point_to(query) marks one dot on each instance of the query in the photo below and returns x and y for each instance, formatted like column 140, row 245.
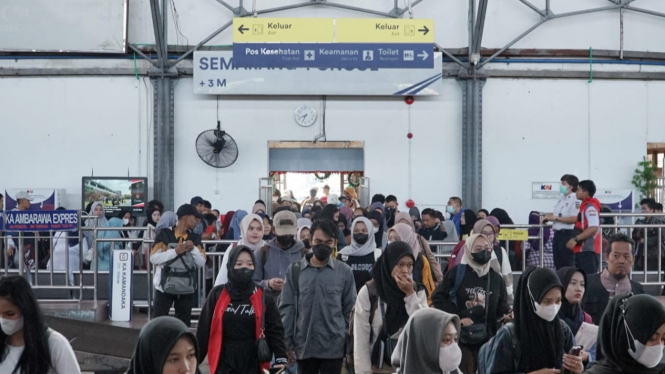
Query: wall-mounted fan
column 217, row 148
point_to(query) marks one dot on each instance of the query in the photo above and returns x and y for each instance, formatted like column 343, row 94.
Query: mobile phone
column 574, row 351
column 274, row 370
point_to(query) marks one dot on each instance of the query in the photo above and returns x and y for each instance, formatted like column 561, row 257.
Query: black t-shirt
column 361, row 266
column 239, row 353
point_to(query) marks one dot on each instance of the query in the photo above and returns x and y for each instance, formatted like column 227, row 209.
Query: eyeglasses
column 487, row 233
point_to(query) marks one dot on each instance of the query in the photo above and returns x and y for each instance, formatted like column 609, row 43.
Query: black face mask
column 361, row 238
column 285, row 240
column 306, row 243
column 482, row 257
column 322, row 252
column 243, row 275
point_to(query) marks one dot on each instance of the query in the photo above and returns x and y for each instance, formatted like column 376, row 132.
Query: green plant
column 645, row 179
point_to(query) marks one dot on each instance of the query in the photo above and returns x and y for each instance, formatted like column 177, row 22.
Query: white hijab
column 355, row 249
column 244, row 226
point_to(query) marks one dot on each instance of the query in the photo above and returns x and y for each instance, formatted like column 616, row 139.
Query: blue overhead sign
column 334, row 55
column 34, row 220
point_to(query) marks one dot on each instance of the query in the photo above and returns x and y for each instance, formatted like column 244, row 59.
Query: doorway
column 656, row 154
column 300, row 166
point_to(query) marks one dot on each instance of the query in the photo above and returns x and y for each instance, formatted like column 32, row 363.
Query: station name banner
column 216, row 74
column 30, row 220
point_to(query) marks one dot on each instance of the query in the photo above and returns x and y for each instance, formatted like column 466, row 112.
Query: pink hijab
column 347, row 212
column 407, row 235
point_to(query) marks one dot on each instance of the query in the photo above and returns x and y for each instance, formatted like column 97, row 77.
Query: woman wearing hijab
column 429, row 344
column 538, row 341
column 467, row 220
column 167, row 220
column 416, row 218
column 259, row 207
column 97, row 210
column 303, row 233
column 267, row 229
column 464, row 292
column 226, row 224
column 531, row 248
column 363, row 253
column 347, row 213
column 235, row 231
column 104, row 249
column 165, row 346
column 331, row 212
column 395, row 300
column 152, row 217
column 632, row 333
column 403, row 217
column 235, row 316
column 380, row 236
column 251, row 229
column 422, row 269
column 482, row 214
column 378, row 207
column 342, row 223
column 580, row 323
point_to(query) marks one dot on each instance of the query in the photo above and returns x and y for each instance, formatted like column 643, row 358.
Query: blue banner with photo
column 32, row 220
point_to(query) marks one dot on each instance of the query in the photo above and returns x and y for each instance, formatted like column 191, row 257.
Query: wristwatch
column 576, row 240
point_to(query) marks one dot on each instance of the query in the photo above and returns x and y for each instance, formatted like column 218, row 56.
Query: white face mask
column 125, row 221
column 548, row 313
column 650, row 357
column 11, row 326
column 450, row 357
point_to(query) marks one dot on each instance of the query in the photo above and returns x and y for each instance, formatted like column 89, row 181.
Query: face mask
column 11, row 326
column 361, row 238
column 450, row 209
column 243, row 275
column 306, row 243
column 450, row 357
column 285, row 240
column 548, row 313
column 322, row 252
column 563, row 190
column 481, row 257
column 650, row 357
column 125, row 221
column 275, row 198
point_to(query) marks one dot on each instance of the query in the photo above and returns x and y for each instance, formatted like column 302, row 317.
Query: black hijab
column 470, row 218
column 121, row 215
column 148, row 218
column 345, row 230
column 541, row 342
column 571, row 314
column 156, row 341
column 328, row 212
column 238, row 290
column 386, row 286
column 644, row 316
column 378, row 235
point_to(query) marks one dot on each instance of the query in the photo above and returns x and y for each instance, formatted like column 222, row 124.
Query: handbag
column 263, row 350
column 478, row 332
column 384, row 346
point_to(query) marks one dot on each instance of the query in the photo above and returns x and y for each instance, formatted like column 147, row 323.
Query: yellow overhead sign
column 284, row 30
column 513, row 235
column 381, row 30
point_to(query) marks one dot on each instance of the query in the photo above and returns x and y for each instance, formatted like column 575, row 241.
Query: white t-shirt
column 62, row 356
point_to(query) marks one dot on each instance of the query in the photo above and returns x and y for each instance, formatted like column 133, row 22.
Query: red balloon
column 410, row 204
column 409, row 135
column 409, row 100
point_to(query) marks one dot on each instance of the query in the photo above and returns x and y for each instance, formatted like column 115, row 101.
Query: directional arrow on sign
column 424, row 55
column 242, row 28
column 424, row 30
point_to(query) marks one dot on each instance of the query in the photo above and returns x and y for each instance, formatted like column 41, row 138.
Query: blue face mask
column 450, row 209
column 563, row 189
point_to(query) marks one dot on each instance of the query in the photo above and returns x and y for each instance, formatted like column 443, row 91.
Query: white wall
column 382, row 123
column 538, row 130
column 505, row 21
column 56, row 130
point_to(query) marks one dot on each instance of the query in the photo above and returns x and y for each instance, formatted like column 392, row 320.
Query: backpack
column 179, row 275
column 349, row 360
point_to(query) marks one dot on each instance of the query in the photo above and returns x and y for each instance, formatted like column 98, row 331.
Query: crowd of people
column 328, row 286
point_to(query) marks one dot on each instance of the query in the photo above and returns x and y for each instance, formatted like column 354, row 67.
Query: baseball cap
column 333, row 199
column 345, row 198
column 188, row 210
column 196, row 200
column 23, row 195
column 285, row 223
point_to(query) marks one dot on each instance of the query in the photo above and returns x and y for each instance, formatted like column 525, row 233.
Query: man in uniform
column 587, row 238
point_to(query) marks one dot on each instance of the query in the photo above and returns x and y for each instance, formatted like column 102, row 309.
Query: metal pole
column 646, row 234
column 527, row 32
column 204, row 41
column 660, row 254
column 19, row 248
column 472, row 13
column 81, row 254
column 542, row 246
column 533, row 7
column 547, row 7
column 165, row 30
column 621, row 37
column 143, row 55
column 96, row 260
column 157, row 29
column 36, row 263
column 150, row 285
column 66, row 260
column 52, row 260
column 479, row 26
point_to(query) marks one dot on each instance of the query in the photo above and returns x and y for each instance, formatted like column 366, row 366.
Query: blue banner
column 334, row 55
column 33, row 220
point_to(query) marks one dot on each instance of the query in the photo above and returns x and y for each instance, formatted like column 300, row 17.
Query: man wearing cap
column 177, row 250
column 201, row 226
column 272, row 260
column 23, row 200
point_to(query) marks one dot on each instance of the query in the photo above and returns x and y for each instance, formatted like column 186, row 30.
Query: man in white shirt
column 563, row 221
